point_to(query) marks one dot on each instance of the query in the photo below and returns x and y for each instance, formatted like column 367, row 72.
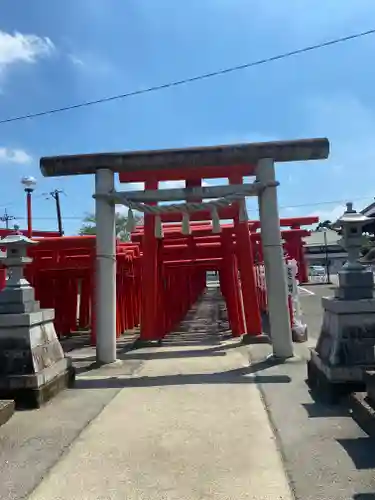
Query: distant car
column 317, row 271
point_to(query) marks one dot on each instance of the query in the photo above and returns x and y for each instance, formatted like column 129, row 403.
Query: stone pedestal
column 33, row 367
column 346, row 347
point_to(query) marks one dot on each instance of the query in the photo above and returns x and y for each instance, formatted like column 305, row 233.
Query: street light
column 29, row 184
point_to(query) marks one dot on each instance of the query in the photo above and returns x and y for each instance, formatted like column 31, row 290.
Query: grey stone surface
column 355, row 284
column 27, row 319
column 347, row 339
column 348, row 306
column 6, row 410
column 370, row 386
column 10, row 295
column 354, row 293
column 361, row 278
column 35, row 380
column 346, row 344
column 32, row 364
column 20, row 308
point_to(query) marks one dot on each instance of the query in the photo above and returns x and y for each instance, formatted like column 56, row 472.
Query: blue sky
column 54, row 54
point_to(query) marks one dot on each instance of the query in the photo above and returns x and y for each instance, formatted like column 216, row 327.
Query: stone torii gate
column 229, row 161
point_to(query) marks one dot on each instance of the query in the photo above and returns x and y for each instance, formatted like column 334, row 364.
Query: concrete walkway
column 189, row 424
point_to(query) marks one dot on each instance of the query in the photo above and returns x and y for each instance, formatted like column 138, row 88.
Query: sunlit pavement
column 326, row 454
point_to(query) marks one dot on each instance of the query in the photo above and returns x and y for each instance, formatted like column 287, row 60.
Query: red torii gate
column 293, row 244
column 214, row 252
column 233, row 162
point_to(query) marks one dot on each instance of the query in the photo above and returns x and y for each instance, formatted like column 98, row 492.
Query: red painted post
column 245, row 262
column 231, row 296
column 3, row 278
column 149, row 275
column 29, row 214
column 238, row 297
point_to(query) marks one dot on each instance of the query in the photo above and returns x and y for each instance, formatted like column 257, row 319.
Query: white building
column 323, row 248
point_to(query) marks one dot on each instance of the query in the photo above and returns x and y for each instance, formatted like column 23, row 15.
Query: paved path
column 327, row 456
column 188, row 421
column 190, row 424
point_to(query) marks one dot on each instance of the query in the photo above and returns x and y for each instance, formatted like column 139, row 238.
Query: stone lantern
column 346, row 346
column 33, row 367
column 15, row 260
column 356, row 281
column 352, row 224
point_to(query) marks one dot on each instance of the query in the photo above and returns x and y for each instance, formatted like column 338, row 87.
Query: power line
column 281, row 207
column 7, row 218
column 192, row 79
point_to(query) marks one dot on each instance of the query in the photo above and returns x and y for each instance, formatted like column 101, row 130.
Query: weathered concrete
column 326, row 454
column 6, row 410
column 31, row 443
column 189, row 425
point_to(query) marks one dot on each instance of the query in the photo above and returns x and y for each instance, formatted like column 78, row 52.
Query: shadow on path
column 361, row 451
column 245, row 375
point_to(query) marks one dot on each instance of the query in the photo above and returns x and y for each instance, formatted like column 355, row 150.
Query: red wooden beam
column 191, row 173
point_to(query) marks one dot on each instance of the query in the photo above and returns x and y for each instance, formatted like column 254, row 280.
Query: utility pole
column 56, row 196
column 326, row 256
column 6, row 218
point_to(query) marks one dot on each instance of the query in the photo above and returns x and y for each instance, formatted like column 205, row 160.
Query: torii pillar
column 274, row 263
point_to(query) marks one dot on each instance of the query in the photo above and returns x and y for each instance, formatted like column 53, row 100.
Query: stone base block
column 262, row 338
column 328, row 384
column 29, row 396
column 347, row 337
column 354, row 293
column 7, row 408
column 363, row 412
column 370, row 385
column 141, row 343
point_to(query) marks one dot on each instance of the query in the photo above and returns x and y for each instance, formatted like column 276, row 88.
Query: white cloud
column 331, row 214
column 76, row 60
column 16, row 156
column 20, row 48
column 121, row 209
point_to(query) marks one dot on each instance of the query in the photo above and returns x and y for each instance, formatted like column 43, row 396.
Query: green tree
column 327, row 224
column 89, row 226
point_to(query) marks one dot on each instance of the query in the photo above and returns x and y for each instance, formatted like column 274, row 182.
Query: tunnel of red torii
column 178, row 244
column 201, row 233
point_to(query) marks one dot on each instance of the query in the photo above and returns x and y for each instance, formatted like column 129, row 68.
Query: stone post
column 105, row 281
column 274, row 263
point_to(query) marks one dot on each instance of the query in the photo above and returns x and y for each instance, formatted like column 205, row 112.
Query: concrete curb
column 7, row 408
column 362, row 412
